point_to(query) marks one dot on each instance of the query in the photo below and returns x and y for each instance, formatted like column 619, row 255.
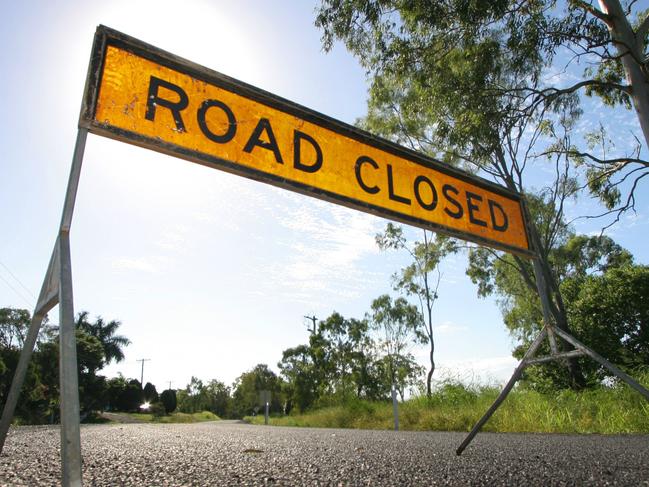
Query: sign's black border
column 106, row 36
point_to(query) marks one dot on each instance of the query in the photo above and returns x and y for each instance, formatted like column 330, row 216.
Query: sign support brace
column 550, row 331
column 57, row 289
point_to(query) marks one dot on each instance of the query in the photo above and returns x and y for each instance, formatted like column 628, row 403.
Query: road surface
column 227, row 453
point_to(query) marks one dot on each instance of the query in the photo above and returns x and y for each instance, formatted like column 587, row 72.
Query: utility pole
column 315, row 326
column 142, row 373
column 169, row 385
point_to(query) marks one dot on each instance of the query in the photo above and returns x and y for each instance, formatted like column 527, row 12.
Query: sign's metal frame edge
column 106, row 36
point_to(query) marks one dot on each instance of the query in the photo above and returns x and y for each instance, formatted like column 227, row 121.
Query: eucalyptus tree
column 466, row 83
column 350, row 353
column 513, row 45
column 397, row 326
column 420, row 278
column 580, row 262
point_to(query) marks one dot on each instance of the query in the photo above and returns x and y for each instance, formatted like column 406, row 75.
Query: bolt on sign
column 139, row 94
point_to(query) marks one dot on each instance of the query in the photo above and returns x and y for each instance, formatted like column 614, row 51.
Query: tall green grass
column 457, row 407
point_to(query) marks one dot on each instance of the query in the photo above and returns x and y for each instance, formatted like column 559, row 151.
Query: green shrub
column 168, row 399
column 157, row 409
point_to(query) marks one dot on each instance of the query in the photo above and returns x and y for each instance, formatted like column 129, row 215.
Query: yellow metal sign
column 145, row 96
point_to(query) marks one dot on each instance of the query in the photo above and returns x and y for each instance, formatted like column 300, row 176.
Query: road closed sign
column 142, row 95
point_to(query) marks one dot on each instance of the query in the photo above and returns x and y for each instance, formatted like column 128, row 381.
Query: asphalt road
column 225, row 453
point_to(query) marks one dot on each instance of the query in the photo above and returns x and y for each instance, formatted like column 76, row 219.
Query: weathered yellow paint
column 122, row 103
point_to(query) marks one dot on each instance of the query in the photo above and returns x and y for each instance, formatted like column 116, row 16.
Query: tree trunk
column 555, row 301
column 630, row 47
column 429, row 378
column 429, row 309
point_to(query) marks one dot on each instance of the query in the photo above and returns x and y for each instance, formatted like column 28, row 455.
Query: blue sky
column 209, row 273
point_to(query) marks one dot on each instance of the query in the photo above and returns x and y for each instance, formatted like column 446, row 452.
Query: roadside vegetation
column 456, row 407
column 175, row 417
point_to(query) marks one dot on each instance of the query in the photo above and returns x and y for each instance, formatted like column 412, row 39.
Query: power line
column 30, row 303
column 18, row 280
column 142, row 374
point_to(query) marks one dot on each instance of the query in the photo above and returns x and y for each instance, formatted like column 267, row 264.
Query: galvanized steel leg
column 69, row 380
column 70, row 430
column 542, row 287
column 503, row 394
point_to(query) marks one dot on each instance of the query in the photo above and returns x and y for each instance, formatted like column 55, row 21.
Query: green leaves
column 467, row 81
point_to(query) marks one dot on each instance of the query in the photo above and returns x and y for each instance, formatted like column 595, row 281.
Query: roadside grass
column 176, row 417
column 456, row 407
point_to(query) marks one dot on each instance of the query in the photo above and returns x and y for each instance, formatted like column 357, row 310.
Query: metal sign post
column 264, row 401
column 395, row 407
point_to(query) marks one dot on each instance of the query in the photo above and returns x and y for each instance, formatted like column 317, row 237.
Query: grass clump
column 454, row 406
column 176, row 417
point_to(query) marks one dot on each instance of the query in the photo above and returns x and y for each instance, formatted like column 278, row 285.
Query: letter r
column 175, row 107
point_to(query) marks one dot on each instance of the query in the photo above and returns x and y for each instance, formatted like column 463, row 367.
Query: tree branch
column 595, row 12
column 642, row 31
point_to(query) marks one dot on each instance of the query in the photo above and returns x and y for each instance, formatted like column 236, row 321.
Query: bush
column 157, row 409
column 168, row 399
column 150, row 393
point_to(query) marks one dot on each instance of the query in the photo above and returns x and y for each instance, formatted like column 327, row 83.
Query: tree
column 133, row 396
column 106, row 334
column 150, row 393
column 14, row 324
column 303, row 377
column 90, row 355
column 502, row 51
column 247, row 388
column 115, row 387
column 339, row 361
column 192, row 398
column 168, row 399
column 611, row 311
column 125, row 394
column 218, row 397
column 349, row 354
column 574, row 258
column 446, row 80
column 39, row 401
column 398, row 326
column 416, row 279
column 13, row 328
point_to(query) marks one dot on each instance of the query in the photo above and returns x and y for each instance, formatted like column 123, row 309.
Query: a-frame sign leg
column 506, row 390
column 601, row 360
column 57, row 289
column 69, row 379
column 47, row 299
column 551, row 332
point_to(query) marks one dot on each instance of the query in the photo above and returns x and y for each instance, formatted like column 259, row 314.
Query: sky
column 209, row 273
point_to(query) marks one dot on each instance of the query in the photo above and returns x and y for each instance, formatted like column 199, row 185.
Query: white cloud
column 173, row 239
column 152, row 264
column 327, row 250
column 448, row 327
